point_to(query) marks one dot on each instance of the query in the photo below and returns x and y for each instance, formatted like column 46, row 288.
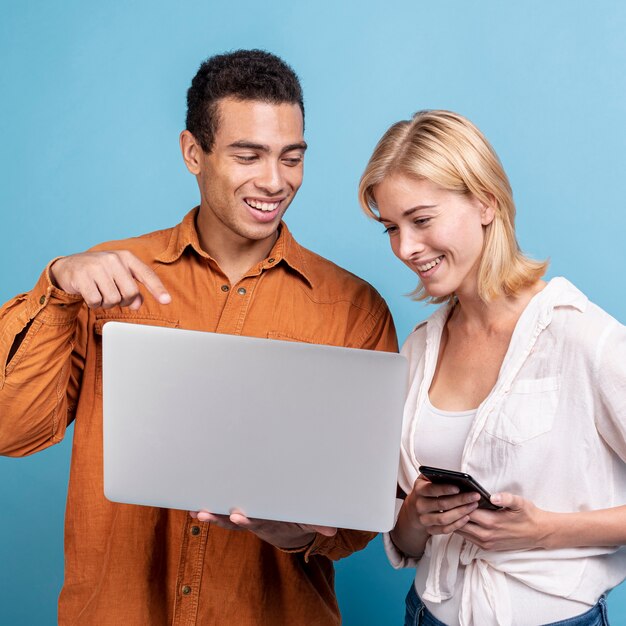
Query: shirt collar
column 182, row 236
column 285, row 249
column 559, row 292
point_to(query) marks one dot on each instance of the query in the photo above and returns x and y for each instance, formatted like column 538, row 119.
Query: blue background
column 93, row 99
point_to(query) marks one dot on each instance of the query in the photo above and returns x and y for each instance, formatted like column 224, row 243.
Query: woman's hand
column 439, row 509
column 518, row 526
column 431, row 510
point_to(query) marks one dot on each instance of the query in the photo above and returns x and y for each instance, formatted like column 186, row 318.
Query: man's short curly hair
column 243, row 75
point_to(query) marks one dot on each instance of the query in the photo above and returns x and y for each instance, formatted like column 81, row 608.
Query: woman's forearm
column 521, row 525
column 410, row 540
column 604, row 527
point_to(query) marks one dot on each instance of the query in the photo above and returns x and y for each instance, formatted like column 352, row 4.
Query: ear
column 488, row 210
column 192, row 152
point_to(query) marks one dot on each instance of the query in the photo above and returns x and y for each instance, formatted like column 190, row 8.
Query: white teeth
column 263, row 206
column 428, row 266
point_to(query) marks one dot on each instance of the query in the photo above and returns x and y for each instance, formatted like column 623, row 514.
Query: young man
column 231, row 266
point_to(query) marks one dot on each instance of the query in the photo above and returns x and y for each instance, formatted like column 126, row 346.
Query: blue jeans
column 418, row 615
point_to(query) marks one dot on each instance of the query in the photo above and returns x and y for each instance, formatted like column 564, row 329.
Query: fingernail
column 165, row 298
column 203, row 517
column 496, row 498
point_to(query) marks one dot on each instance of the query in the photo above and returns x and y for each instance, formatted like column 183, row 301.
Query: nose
column 270, row 178
column 409, row 244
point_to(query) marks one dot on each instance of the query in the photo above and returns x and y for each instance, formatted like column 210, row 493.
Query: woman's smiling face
column 438, row 233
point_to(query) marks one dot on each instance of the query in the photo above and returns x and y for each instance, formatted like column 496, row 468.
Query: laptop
column 273, row 429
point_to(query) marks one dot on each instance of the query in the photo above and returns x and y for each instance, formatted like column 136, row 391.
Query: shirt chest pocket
column 527, row 410
column 97, row 328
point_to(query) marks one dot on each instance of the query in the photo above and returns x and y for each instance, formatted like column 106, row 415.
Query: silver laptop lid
column 275, row 429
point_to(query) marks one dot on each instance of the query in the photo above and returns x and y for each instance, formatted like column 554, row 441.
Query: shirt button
column 241, row 291
column 186, row 590
column 225, row 287
column 42, row 299
column 270, row 260
column 195, row 530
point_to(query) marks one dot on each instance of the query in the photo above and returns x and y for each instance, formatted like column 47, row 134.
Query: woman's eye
column 390, row 230
column 422, row 221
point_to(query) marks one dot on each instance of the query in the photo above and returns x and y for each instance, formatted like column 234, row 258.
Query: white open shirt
column 553, row 430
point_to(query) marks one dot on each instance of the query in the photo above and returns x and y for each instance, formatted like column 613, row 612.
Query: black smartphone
column 463, row 481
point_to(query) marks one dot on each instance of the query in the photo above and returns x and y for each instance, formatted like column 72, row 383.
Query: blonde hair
column 448, row 150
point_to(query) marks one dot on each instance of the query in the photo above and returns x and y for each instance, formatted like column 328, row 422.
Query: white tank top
column 440, row 436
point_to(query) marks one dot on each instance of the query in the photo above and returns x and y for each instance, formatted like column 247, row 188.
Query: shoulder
column 146, row 247
column 415, row 344
column 584, row 326
column 573, row 306
column 331, row 283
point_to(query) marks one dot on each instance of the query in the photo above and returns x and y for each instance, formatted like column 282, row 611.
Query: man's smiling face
column 253, row 171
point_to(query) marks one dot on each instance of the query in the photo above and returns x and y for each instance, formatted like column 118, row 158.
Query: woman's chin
column 434, row 291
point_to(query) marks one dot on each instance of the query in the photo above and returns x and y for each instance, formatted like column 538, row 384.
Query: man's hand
column 285, row 535
column 107, row 279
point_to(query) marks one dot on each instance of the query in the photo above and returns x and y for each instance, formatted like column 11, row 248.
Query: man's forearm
column 340, row 545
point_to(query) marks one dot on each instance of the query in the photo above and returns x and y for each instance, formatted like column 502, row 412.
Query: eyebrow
column 250, row 145
column 412, row 210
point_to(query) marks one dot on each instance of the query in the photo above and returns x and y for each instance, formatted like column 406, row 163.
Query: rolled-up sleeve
column 398, row 559
column 39, row 380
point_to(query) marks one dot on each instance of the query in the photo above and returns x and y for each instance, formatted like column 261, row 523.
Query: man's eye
column 246, row 158
column 292, row 161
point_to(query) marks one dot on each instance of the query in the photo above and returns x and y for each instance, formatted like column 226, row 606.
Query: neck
column 499, row 314
column 235, row 254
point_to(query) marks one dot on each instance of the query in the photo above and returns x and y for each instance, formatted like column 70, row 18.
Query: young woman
column 518, row 382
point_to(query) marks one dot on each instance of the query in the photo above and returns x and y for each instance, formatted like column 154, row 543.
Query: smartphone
column 463, row 481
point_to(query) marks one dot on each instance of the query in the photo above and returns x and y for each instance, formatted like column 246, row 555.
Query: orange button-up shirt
column 135, row 565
